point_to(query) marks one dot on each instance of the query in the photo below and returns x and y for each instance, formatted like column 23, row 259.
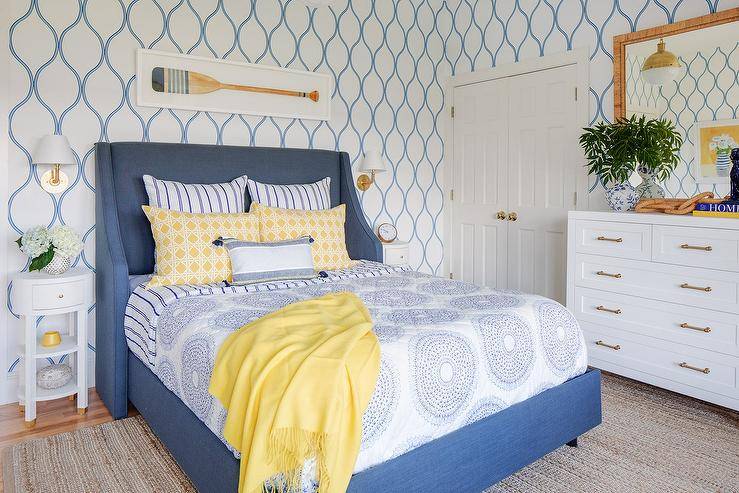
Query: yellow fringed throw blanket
column 296, row 383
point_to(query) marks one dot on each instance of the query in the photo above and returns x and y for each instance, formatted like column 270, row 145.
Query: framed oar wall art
column 172, row 80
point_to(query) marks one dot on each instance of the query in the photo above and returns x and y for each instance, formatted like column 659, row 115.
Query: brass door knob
column 512, row 216
column 501, row 215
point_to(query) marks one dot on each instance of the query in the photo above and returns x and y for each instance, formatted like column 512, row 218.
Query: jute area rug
column 651, row 440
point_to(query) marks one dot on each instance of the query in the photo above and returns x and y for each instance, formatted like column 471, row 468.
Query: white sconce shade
column 372, row 162
column 54, row 150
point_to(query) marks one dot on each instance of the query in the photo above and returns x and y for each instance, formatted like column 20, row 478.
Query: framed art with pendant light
column 682, row 72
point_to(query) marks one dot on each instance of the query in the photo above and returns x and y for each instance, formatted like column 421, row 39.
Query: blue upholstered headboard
column 124, row 244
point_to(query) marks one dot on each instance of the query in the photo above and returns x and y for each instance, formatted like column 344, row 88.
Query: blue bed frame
column 469, row 459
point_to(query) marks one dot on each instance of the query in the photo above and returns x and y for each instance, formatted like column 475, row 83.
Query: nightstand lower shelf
column 70, row 388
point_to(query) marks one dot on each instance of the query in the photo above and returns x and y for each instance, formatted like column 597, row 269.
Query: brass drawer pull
column 685, row 285
column 693, row 327
column 602, row 308
column 685, row 246
column 615, row 240
column 695, row 368
column 604, row 344
column 602, row 273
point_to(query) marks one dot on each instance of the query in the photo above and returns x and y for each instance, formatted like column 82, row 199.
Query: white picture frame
column 705, row 163
column 233, row 101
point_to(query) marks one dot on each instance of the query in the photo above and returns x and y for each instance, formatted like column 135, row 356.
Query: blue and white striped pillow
column 308, row 196
column 198, row 198
column 253, row 262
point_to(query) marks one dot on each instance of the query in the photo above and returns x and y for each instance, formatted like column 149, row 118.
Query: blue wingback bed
column 468, row 459
column 124, row 244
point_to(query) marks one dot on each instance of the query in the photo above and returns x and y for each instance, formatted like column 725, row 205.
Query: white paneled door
column 514, row 179
column 480, row 183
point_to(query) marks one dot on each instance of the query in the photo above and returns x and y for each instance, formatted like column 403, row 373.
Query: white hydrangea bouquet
column 50, row 250
column 722, row 144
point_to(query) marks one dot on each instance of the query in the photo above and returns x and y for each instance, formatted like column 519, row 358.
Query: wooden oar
column 177, row 81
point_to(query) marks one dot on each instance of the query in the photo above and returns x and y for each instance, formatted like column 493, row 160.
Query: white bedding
column 452, row 353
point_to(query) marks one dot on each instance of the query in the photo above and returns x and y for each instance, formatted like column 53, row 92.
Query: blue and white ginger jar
column 648, row 188
column 622, row 197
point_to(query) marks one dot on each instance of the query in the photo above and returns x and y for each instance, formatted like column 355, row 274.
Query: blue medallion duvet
column 452, row 352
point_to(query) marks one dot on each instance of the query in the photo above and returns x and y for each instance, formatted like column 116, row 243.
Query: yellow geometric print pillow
column 325, row 226
column 184, row 244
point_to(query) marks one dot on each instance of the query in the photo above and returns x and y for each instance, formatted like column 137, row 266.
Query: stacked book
column 727, row 208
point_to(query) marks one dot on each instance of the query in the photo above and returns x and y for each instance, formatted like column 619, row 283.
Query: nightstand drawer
column 60, row 295
column 396, row 256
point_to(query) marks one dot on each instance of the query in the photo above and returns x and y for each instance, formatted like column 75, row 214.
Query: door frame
column 578, row 57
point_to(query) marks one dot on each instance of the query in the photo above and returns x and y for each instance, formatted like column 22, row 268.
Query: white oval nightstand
column 395, row 253
column 37, row 294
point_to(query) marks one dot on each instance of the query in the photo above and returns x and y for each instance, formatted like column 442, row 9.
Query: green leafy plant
column 614, row 150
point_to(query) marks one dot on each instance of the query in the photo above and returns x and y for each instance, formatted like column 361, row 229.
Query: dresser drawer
column 60, row 295
column 614, row 239
column 699, row 247
column 702, row 288
column 701, row 370
column 690, row 326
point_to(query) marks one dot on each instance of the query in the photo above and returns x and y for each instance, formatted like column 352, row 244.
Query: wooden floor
column 52, row 417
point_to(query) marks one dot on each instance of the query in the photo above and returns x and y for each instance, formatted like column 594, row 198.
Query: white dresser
column 657, row 297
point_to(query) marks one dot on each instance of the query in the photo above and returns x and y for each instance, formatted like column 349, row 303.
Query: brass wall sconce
column 371, row 163
column 54, row 150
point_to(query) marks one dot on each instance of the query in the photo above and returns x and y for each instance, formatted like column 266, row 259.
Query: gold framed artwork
column 174, row 80
column 714, row 141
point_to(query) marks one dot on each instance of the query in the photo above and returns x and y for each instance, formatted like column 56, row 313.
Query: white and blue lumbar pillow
column 253, row 262
column 198, row 198
column 306, row 196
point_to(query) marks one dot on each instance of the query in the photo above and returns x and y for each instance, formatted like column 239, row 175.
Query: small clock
column 387, row 233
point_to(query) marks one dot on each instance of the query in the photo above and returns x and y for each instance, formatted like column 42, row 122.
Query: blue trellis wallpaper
column 72, row 71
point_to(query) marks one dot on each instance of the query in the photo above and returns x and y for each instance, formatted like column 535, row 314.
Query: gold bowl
column 51, row 338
